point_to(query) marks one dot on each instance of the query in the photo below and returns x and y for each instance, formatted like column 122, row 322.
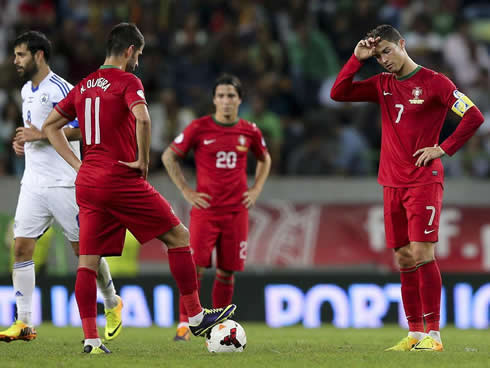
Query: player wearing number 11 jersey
column 111, row 187
column 219, row 216
column 414, row 102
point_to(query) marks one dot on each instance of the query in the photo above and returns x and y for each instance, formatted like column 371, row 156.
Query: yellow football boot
column 405, row 344
column 113, row 325
column 428, row 343
column 18, row 331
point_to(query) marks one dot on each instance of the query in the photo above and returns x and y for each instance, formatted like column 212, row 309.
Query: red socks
column 412, row 304
column 183, row 317
column 222, row 290
column 184, row 272
column 86, row 295
column 430, row 286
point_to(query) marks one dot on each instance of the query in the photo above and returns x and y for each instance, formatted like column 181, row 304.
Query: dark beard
column 29, row 71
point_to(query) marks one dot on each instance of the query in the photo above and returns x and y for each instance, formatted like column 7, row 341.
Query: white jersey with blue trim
column 43, row 165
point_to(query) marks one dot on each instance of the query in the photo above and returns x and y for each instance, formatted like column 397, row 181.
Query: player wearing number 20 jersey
column 414, row 102
column 220, row 202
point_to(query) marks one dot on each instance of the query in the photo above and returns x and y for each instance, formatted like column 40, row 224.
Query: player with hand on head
column 111, row 187
column 220, row 203
column 47, row 190
column 414, row 102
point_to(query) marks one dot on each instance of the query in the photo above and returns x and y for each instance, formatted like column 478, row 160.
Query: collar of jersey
column 108, row 67
column 225, row 125
column 410, row 74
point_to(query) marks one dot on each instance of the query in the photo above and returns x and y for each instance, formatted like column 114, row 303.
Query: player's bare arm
column 171, row 162
column 366, row 48
column 427, row 154
column 53, row 129
column 143, row 138
column 261, row 173
column 32, row 134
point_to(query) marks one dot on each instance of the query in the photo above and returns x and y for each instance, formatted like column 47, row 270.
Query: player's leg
column 203, row 236
column 396, row 232
column 32, row 219
column 63, row 206
column 24, row 279
column 112, row 302
column 231, row 255
column 423, row 208
column 184, row 272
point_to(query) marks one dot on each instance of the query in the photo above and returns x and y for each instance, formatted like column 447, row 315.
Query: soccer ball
column 226, row 337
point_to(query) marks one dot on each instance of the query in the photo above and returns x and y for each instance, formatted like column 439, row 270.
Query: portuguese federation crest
column 416, row 93
column 242, row 141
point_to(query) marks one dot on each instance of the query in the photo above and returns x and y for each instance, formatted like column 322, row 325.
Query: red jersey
column 413, row 110
column 220, row 154
column 102, row 102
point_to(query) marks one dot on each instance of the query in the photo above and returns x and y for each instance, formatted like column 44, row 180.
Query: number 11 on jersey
column 88, row 120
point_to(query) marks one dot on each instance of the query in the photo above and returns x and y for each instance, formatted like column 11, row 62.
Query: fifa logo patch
column 416, row 92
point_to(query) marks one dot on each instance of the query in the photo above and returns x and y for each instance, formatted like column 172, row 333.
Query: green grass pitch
column 266, row 347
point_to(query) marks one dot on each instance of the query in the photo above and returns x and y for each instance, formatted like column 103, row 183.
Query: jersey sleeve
column 345, row 89
column 462, row 106
column 66, row 106
column 134, row 92
column 184, row 142
column 258, row 145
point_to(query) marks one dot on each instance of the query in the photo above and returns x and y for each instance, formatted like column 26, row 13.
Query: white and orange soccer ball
column 226, row 337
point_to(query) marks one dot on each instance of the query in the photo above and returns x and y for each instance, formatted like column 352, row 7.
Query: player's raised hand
column 197, row 199
column 18, row 147
column 28, row 134
column 427, row 154
column 366, row 48
column 138, row 165
column 250, row 197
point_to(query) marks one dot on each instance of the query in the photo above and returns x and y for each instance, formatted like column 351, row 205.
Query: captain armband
column 462, row 104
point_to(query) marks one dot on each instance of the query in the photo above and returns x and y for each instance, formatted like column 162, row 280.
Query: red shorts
column 227, row 232
column 412, row 214
column 105, row 214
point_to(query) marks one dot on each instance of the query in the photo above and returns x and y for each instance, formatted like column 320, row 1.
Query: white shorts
column 38, row 207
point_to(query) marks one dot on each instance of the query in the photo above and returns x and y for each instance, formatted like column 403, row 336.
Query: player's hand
column 428, row 154
column 28, row 134
column 250, row 197
column 138, row 165
column 365, row 48
column 197, row 199
column 18, row 147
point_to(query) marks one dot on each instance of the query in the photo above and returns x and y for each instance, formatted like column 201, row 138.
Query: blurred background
column 320, row 218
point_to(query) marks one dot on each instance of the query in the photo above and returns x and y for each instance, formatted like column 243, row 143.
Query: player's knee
column 404, row 257
column 224, row 273
column 23, row 250
column 176, row 237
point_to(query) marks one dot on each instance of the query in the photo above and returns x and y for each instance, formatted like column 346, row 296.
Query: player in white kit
column 47, row 190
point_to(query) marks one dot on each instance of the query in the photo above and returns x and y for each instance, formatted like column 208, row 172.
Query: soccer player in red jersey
column 220, row 203
column 111, row 187
column 414, row 102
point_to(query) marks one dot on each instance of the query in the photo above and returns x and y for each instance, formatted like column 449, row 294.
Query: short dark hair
column 228, row 79
column 121, row 37
column 385, row 32
column 35, row 41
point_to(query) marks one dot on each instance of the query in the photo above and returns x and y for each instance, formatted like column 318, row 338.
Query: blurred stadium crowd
column 287, row 54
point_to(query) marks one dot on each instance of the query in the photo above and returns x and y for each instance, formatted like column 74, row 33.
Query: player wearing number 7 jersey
column 414, row 102
column 219, row 215
column 111, row 187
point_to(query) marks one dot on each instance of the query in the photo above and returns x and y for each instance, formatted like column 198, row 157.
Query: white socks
column 417, row 335
column 94, row 342
column 24, row 279
column 436, row 335
column 106, row 286
column 195, row 320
